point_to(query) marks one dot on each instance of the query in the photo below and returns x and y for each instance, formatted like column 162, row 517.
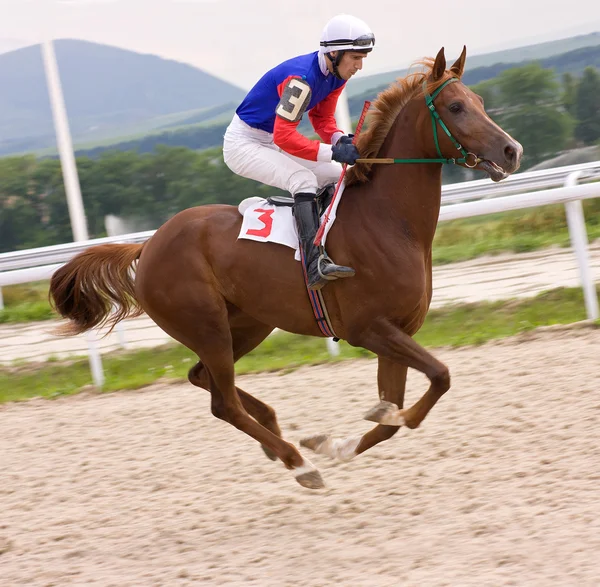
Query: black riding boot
column 307, row 222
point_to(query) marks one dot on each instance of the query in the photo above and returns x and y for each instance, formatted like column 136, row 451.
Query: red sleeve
column 287, row 137
column 322, row 116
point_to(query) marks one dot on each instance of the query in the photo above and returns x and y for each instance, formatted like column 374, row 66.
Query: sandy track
column 500, row 486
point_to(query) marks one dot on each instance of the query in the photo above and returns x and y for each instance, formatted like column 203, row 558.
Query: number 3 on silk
column 294, row 100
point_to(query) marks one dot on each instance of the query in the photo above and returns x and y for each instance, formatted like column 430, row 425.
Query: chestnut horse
column 221, row 297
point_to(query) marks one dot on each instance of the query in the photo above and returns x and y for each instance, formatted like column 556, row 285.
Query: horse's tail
column 96, row 288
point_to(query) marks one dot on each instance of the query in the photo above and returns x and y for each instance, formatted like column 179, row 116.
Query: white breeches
column 251, row 153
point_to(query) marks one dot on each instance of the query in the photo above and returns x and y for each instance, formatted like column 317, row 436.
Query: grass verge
column 461, row 325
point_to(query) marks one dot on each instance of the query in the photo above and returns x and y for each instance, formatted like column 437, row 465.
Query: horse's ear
column 459, row 65
column 439, row 67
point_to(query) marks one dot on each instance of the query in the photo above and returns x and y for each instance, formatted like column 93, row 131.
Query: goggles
column 362, row 41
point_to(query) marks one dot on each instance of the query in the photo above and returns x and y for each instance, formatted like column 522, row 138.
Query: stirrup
column 324, row 257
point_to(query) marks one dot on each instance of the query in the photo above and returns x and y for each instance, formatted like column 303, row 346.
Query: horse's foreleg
column 391, row 381
column 388, row 341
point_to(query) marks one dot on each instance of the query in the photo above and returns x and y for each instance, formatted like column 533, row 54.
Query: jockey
column 263, row 143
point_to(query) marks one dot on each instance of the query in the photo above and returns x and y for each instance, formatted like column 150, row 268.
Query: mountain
column 108, row 92
column 12, row 44
column 118, row 99
column 573, row 62
column 509, row 56
column 205, row 129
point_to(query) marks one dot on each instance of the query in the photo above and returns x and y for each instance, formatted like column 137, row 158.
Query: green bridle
column 435, row 120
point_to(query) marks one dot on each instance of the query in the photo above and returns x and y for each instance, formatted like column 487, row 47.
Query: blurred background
column 150, row 86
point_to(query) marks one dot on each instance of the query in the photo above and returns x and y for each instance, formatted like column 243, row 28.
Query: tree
column 587, row 107
column 533, row 112
column 24, row 185
column 488, row 90
column 569, row 96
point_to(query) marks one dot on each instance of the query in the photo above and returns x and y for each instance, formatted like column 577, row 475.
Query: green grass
column 27, row 312
column 509, row 232
column 462, row 325
column 26, row 303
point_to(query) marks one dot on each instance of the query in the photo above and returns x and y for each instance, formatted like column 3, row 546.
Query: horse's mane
column 384, row 111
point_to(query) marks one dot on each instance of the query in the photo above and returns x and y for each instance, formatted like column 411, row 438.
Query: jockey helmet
column 347, row 33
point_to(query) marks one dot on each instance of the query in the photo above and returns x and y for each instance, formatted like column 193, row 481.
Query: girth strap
column 319, row 307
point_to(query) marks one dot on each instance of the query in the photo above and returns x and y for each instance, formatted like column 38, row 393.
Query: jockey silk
column 258, row 110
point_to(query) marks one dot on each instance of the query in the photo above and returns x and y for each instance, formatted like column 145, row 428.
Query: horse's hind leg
column 202, row 324
column 261, row 412
column 245, row 338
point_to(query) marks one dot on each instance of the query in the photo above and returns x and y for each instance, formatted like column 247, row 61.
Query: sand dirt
column 500, row 485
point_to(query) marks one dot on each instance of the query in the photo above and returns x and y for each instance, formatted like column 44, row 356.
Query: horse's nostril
column 510, row 153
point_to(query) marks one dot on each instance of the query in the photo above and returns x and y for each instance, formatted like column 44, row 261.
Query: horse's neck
column 408, row 193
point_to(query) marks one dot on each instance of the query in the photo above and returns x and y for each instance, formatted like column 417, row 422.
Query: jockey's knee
column 303, row 181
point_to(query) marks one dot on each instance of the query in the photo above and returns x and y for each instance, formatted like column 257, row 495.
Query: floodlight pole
column 342, row 113
column 65, row 146
column 71, row 181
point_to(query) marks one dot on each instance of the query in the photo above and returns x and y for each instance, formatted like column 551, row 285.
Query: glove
column 344, row 152
column 346, row 139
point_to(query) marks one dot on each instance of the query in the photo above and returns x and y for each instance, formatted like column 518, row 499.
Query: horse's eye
column 456, row 107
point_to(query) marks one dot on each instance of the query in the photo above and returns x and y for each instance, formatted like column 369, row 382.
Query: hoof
column 314, row 442
column 311, row 480
column 269, row 453
column 386, row 413
column 308, row 475
column 323, row 444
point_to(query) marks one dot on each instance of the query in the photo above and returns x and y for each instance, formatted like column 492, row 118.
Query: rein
column 435, row 120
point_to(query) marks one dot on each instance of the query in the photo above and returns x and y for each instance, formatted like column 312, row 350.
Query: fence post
column 333, row 347
column 579, row 242
column 120, row 328
column 95, row 360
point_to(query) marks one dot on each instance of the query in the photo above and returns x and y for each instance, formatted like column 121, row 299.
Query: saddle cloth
column 267, row 223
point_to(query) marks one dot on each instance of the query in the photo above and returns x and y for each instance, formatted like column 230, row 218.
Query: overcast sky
column 238, row 40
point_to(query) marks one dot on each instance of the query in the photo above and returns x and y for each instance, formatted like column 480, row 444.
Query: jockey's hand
column 343, row 152
column 346, row 139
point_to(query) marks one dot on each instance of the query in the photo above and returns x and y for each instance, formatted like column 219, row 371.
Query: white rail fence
column 567, row 185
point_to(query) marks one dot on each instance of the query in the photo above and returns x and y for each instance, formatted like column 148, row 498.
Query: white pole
column 95, row 360
column 65, row 147
column 70, row 178
column 333, row 347
column 579, row 241
column 121, row 334
column 342, row 113
column 1, row 300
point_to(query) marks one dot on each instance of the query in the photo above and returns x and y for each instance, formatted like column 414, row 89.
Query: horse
column 221, row 296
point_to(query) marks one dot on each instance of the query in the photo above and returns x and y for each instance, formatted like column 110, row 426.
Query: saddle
column 324, row 197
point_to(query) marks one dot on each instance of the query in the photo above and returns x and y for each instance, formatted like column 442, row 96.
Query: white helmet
column 347, row 33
